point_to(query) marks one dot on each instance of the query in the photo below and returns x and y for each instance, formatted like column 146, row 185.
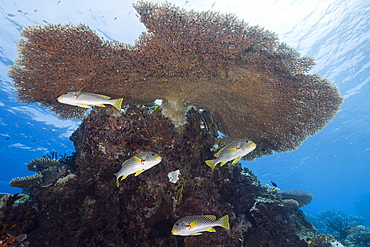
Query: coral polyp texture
column 255, row 86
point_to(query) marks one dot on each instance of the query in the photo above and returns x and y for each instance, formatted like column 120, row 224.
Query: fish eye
column 177, row 224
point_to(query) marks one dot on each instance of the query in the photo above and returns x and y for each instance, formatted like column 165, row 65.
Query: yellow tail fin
column 210, row 164
column 225, row 222
column 118, row 103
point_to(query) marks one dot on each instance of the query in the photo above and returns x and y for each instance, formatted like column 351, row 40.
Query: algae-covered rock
column 88, row 209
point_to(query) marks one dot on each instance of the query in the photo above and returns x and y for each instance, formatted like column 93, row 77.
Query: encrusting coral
column 255, row 86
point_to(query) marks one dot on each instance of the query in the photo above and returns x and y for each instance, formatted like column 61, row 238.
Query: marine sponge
column 256, row 87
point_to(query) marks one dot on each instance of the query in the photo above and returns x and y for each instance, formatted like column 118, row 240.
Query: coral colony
column 251, row 86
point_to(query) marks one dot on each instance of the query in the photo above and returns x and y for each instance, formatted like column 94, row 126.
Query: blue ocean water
column 334, row 164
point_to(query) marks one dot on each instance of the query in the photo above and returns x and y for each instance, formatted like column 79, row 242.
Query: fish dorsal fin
column 193, row 224
column 219, row 152
column 212, row 217
column 233, row 149
column 103, row 96
column 138, row 160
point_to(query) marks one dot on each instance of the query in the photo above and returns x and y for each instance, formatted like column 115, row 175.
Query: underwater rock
column 88, row 209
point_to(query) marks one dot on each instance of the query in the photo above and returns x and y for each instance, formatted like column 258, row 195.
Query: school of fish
column 189, row 225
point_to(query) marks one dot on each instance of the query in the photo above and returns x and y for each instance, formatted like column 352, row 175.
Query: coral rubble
column 255, row 86
column 88, row 209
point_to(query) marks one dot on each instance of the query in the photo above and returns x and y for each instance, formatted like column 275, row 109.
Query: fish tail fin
column 224, row 221
column 120, row 178
column 117, row 103
column 211, row 164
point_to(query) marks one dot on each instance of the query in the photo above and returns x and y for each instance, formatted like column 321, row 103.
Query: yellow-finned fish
column 234, row 151
column 85, row 100
column 194, row 225
column 138, row 164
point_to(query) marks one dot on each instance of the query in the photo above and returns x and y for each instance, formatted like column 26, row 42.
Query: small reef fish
column 234, row 151
column 85, row 100
column 137, row 164
column 274, row 184
column 209, row 123
column 194, row 225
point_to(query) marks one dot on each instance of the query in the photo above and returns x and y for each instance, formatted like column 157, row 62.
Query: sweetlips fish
column 137, row 164
column 234, row 151
column 194, row 225
column 85, row 100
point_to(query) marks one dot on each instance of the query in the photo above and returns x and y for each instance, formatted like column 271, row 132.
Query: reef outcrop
column 88, row 209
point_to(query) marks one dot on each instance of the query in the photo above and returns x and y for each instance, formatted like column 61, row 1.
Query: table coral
column 255, row 86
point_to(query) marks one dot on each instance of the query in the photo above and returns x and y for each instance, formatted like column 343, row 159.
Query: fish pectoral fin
column 100, row 105
column 138, row 160
column 197, row 233
column 236, row 160
column 223, row 163
column 139, row 172
column 211, row 230
column 233, row 149
column 193, row 224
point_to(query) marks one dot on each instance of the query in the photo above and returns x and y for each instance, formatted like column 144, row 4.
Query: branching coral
column 340, row 227
column 256, row 87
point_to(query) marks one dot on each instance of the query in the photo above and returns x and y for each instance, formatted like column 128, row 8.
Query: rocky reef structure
column 256, row 86
column 90, row 210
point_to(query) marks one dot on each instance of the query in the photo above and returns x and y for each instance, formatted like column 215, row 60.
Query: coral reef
column 90, row 210
column 349, row 230
column 363, row 207
column 255, row 86
column 14, row 221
